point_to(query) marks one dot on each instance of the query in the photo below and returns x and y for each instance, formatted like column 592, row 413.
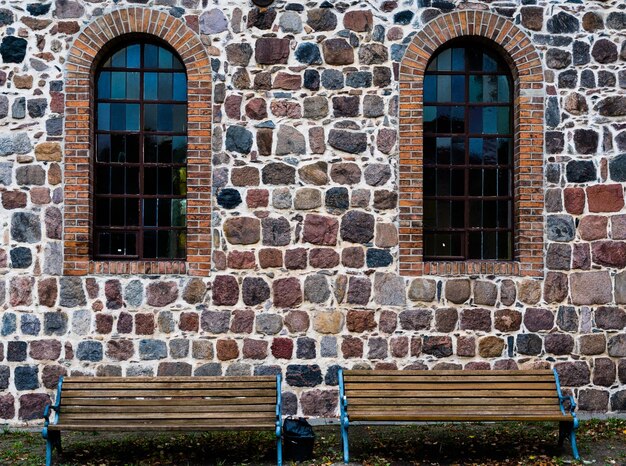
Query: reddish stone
column 270, row 257
column 232, row 106
column 189, row 321
column 359, row 290
column 320, row 403
column 358, row 20
column 296, row 259
column 50, row 376
column 388, row 321
column 507, row 320
column 605, row 198
column 555, row 287
column 13, row 199
column 360, row 321
column 297, row 321
column 477, row 366
column 283, row 108
column 257, row 198
column 241, row 260
column 609, row 253
column 581, row 256
column 125, row 323
column 104, row 323
column 47, row 291
column 323, row 258
column 287, row 81
column 113, row 293
column 438, row 346
column 271, row 50
column 68, row 27
column 399, row 347
column 574, row 200
column 20, row 291
column 319, row 229
column 416, row 346
column 476, row 319
column 505, row 365
column 45, row 349
column 120, row 350
column 254, row 349
column 352, row 347
column 592, row 227
column 160, row 294
column 591, row 288
column 256, row 109
column 536, row 319
column 57, row 102
column 219, row 260
column 32, row 406
column 93, row 289
column 144, row 324
column 337, row 52
column 353, row 257
column 466, row 346
column 317, row 140
column 287, row 292
column 225, row 290
column 243, row 321
column 282, row 348
column 40, row 195
column 618, row 227
column 227, row 350
column 245, row 176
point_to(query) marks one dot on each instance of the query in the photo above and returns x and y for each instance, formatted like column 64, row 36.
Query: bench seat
column 164, row 404
column 454, row 396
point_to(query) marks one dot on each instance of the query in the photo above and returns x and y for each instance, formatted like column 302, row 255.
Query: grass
column 600, row 442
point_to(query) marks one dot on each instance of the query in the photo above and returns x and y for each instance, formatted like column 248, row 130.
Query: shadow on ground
column 601, row 442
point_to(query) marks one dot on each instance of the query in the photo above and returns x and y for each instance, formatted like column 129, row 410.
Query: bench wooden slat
column 447, row 393
column 164, row 393
column 157, row 428
column 167, row 416
column 161, row 379
column 375, row 401
column 452, row 417
column 191, row 408
column 457, row 373
column 448, row 378
column 78, row 401
column 452, row 386
column 69, row 386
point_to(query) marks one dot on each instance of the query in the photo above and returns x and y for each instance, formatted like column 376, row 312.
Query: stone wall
column 305, row 254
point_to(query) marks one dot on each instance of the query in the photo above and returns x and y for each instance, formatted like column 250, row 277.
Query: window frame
column 98, row 37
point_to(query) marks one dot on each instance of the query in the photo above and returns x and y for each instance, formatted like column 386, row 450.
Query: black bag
column 298, row 438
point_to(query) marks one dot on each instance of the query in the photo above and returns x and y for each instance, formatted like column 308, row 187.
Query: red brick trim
column 83, row 57
column 527, row 72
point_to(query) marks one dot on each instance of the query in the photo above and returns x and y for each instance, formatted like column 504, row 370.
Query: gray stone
column 26, row 377
column 152, row 349
column 25, row 227
column 53, row 258
column 422, row 289
column 328, row 347
column 89, row 350
column 72, row 293
column 213, row 21
column 485, row 293
column 316, row 289
column 373, row 106
column 591, row 288
column 18, row 109
column 347, row 141
column 290, row 141
column 238, row 139
column 215, row 321
column 458, row 290
column 133, row 294
column 389, row 289
column 55, row 323
column 6, row 173
column 315, row 107
column 81, row 322
column 30, row 324
column 269, row 324
column 290, row 22
column 617, row 346
column 30, row 175
column 560, row 228
column 66, row 9
column 529, row 344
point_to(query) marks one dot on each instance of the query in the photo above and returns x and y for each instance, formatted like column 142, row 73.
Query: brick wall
column 301, row 159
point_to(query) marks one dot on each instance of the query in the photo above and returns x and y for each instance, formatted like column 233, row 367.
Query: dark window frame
column 140, row 229
column 466, row 166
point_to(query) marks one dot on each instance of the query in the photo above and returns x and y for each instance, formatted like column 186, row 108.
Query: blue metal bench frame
column 565, row 428
column 53, row 438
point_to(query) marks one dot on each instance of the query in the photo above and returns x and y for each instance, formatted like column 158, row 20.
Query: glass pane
column 118, row 85
column 443, row 182
column 443, row 214
column 104, row 240
column 177, row 64
column 165, row 149
column 490, row 88
column 151, row 56
column 132, row 117
column 490, row 182
column 117, row 180
column 458, row 182
column 103, row 177
column 132, row 180
column 164, row 117
column 150, row 212
column 132, row 148
column 102, row 212
column 165, row 86
column 444, row 88
column 150, row 180
column 474, row 57
column 104, row 85
column 475, row 151
column 489, row 63
column 505, row 151
column 118, row 148
column 490, row 214
column 165, row 180
column 430, row 150
column 490, row 151
column 490, row 120
column 504, row 125
column 430, row 214
column 429, row 181
column 149, row 244
column 429, row 244
column 180, row 118
column 179, row 147
column 458, row 88
column 132, row 212
column 430, row 88
column 476, row 120
column 103, row 151
column 118, row 60
column 150, row 86
column 430, row 114
column 458, row 59
column 505, row 250
column 432, row 65
column 131, row 244
column 475, row 213
column 443, row 150
column 458, row 120
column 443, row 119
column 164, row 212
column 458, row 214
column 165, row 58
column 504, row 93
column 475, row 250
column 150, row 151
column 475, row 88
column 475, row 182
column 118, row 117
column 180, row 181
column 180, row 86
column 150, row 117
column 117, row 212
column 179, row 212
column 132, row 85
column 458, row 151
column 503, row 182
column 489, row 244
column 104, row 117
column 504, row 217
column 132, row 56
column 444, row 60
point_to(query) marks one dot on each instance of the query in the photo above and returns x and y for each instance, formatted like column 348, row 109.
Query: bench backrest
column 236, row 402
column 454, row 394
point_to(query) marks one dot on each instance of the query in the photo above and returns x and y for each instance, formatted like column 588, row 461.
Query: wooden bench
column 163, row 404
column 440, row 396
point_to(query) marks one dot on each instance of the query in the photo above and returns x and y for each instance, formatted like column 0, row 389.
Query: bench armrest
column 279, row 405
column 54, row 407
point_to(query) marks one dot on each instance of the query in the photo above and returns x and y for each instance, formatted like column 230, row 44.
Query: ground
column 600, row 443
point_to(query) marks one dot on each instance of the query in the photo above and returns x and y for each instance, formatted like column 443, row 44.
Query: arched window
column 140, row 163
column 468, row 155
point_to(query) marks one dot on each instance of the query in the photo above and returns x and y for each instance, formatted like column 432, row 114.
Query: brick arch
column 91, row 43
column 526, row 67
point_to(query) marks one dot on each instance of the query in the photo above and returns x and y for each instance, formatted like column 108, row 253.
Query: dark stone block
column 16, row 351
column 378, row 258
column 21, row 258
column 529, row 344
column 300, row 375
column 580, row 171
column 89, row 350
column 26, row 377
column 13, row 49
column 228, row 198
column 403, row 17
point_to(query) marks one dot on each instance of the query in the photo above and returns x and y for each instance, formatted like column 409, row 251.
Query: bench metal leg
column 572, row 435
column 279, row 450
column 344, row 442
column 563, row 432
column 568, row 429
column 48, row 451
